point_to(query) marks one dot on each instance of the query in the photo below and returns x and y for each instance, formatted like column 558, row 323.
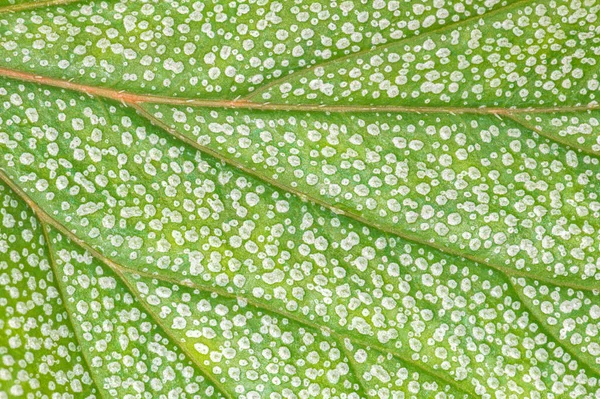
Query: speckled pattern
column 383, row 200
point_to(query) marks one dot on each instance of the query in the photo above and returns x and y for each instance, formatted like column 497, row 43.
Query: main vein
column 133, row 98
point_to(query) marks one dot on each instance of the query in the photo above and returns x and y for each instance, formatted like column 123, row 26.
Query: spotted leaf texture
column 263, row 199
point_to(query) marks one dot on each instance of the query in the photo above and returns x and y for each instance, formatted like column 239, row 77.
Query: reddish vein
column 132, row 98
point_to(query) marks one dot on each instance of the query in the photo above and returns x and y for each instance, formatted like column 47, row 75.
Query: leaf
column 275, row 200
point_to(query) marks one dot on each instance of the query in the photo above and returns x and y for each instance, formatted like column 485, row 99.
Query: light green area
column 16, row 3
column 39, row 353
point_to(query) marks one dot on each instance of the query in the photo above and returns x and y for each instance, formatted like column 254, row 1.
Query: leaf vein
column 52, row 261
column 119, row 271
column 555, row 138
column 34, row 5
column 129, row 98
column 547, row 330
column 352, row 366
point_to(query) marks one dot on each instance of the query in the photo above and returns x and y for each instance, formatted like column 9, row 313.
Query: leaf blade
column 155, row 144
column 249, row 217
column 378, row 78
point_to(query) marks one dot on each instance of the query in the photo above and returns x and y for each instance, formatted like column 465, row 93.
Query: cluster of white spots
column 535, row 53
column 386, row 376
column 180, row 214
column 580, row 130
column 128, row 354
column 220, row 49
column 572, row 315
column 39, row 355
column 254, row 353
column 474, row 183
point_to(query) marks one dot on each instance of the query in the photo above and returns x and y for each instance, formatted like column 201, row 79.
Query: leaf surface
column 267, row 200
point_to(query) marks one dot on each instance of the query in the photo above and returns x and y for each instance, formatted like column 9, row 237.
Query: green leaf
column 275, row 200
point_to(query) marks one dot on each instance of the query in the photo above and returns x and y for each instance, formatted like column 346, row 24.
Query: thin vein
column 63, row 298
column 120, row 272
column 382, row 47
column 34, row 5
column 352, row 366
column 118, row 268
column 554, row 137
column 571, row 350
column 133, row 98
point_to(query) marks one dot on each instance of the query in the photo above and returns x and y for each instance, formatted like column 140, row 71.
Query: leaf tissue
column 261, row 199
